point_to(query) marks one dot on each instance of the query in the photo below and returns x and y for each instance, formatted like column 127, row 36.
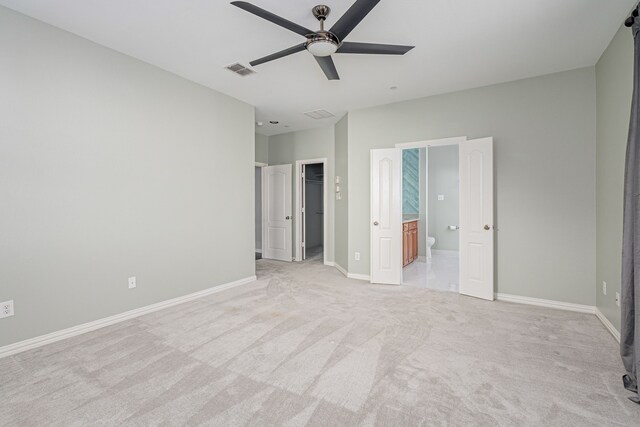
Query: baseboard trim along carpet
column 359, row 276
column 561, row 305
column 608, row 325
column 73, row 331
column 344, row 271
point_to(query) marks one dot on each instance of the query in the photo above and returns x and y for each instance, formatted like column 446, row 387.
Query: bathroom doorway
column 430, row 217
column 476, row 210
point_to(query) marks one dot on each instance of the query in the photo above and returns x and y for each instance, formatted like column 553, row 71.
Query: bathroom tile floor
column 441, row 272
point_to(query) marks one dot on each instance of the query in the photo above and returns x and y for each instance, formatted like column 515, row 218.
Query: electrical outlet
column 618, row 299
column 132, row 282
column 604, row 287
column 440, row 197
column 6, row 309
column 357, row 256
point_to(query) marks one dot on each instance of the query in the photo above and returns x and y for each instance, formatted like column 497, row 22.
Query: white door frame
column 260, row 165
column 298, row 211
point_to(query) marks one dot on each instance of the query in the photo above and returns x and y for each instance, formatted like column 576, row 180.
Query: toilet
column 430, row 242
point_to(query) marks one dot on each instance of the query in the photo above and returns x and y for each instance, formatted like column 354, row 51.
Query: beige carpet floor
column 304, row 346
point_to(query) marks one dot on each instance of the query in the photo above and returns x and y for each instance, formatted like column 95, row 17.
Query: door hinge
column 303, row 244
column 302, row 210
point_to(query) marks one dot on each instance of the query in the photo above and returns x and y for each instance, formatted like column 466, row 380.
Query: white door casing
column 276, row 213
column 476, row 218
column 386, row 216
column 303, row 211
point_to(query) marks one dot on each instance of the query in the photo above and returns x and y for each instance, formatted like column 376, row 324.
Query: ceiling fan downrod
column 321, row 12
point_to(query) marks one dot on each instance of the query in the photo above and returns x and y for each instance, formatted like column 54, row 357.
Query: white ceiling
column 460, row 44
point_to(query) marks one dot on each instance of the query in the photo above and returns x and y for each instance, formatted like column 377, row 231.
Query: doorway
column 475, row 229
column 430, row 217
column 311, row 205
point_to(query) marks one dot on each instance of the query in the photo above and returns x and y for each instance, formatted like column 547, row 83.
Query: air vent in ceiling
column 319, row 114
column 239, row 69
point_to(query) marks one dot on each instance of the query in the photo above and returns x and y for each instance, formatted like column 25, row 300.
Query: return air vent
column 319, row 114
column 239, row 69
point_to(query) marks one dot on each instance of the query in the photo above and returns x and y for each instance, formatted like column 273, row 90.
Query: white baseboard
column 344, row 271
column 608, row 325
column 560, row 305
column 359, row 276
column 73, row 331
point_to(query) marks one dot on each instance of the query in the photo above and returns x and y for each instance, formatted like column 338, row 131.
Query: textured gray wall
column 262, row 148
column 444, row 179
column 110, row 168
column 342, row 205
column 614, row 82
column 544, row 130
column 258, row 207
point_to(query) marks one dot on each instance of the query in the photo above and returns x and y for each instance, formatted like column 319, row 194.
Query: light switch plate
column 132, row 282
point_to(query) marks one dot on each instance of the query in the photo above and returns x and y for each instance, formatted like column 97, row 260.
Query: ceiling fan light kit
column 322, row 44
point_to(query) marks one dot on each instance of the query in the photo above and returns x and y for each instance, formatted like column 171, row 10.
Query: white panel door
column 276, row 213
column 476, row 218
column 386, row 216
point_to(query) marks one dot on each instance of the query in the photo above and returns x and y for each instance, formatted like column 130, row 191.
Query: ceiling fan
column 322, row 44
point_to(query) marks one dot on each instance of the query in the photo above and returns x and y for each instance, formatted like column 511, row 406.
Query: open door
column 276, row 212
column 386, row 216
column 476, row 218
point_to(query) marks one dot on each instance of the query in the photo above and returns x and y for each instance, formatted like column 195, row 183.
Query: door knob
column 288, row 217
column 487, row 227
column 375, row 222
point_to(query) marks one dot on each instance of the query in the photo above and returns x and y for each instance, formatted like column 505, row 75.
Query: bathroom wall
column 424, row 202
column 443, row 181
column 411, row 182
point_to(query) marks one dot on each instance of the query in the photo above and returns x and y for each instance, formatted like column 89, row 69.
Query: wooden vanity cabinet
column 409, row 242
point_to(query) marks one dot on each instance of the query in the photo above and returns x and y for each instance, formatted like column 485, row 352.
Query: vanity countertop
column 410, row 218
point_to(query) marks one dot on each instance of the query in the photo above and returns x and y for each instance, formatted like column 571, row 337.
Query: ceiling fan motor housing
column 321, row 12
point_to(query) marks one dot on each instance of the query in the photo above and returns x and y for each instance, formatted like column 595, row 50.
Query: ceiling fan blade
column 373, row 48
column 329, row 68
column 277, row 55
column 352, row 17
column 271, row 17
